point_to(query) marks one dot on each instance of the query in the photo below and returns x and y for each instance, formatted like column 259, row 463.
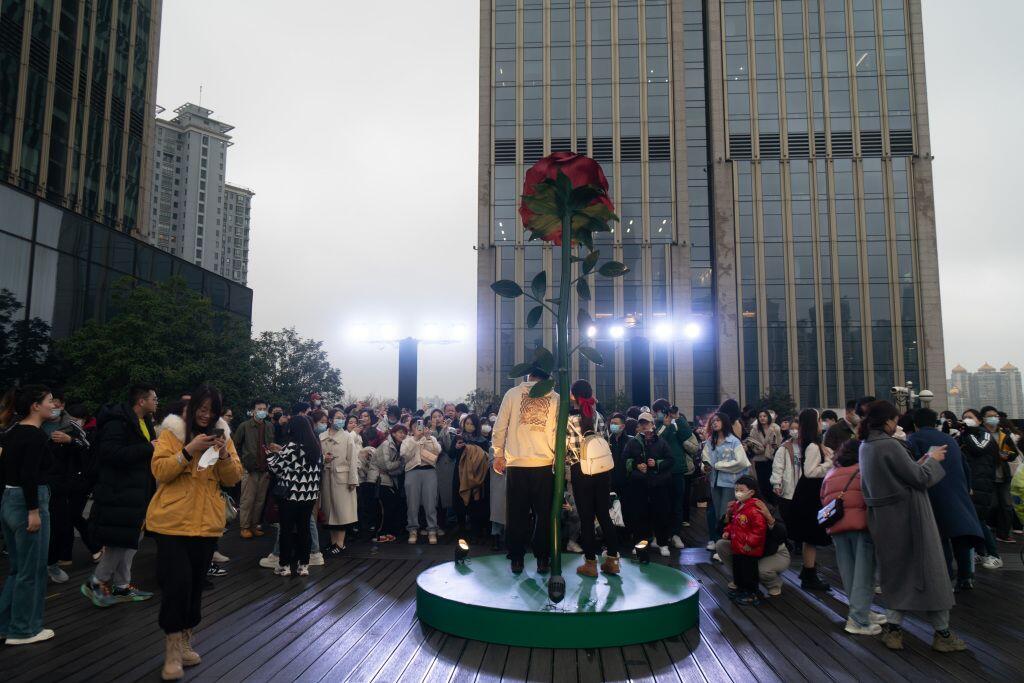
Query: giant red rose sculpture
column 565, row 201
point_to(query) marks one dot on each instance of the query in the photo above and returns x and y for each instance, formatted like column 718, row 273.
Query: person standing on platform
column 254, row 440
column 907, row 544
column 746, row 529
column 959, row 527
column 669, row 432
column 124, row 486
column 25, row 516
column 419, row 454
column 524, row 450
column 70, row 483
column 649, row 462
column 843, row 429
column 764, row 439
column 192, row 459
column 340, row 483
column 297, row 468
column 383, row 470
column 802, row 513
column 725, row 460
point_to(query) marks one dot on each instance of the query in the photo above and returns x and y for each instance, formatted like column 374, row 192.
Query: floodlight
column 617, row 331
column 592, row 331
column 662, row 331
column 691, row 330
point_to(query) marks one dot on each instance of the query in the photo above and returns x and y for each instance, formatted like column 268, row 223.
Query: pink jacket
column 855, row 512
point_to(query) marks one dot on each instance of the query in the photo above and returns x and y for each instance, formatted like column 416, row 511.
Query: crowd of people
column 909, row 502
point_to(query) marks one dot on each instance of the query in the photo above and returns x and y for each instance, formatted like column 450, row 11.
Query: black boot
column 810, row 581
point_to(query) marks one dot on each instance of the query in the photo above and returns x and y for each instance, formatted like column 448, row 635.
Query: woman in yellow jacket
column 192, row 459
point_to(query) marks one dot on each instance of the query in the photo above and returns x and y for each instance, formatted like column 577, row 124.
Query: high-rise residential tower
column 77, row 86
column 189, row 216
column 234, row 250
column 771, row 165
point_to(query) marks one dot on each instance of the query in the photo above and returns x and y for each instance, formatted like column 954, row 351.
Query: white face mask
column 970, row 422
column 485, row 429
column 743, row 496
column 794, row 433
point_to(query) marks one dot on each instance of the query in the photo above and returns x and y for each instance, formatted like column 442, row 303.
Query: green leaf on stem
column 592, row 354
column 544, row 359
column 539, row 284
column 542, row 389
column 507, row 289
column 563, row 188
column 590, row 261
column 583, row 320
column 613, row 269
column 582, row 196
column 533, row 317
column 521, row 370
column 575, row 259
column 583, row 289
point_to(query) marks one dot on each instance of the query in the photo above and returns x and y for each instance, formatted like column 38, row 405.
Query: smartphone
column 219, row 433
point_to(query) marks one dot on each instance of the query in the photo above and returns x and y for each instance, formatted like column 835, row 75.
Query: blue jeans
column 21, row 603
column 314, row 538
column 855, row 555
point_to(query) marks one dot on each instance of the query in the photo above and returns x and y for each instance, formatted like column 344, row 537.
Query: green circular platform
column 484, row 600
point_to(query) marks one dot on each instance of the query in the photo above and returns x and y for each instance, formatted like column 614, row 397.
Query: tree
column 617, row 403
column 779, row 400
column 26, row 349
column 479, row 399
column 287, row 368
column 166, row 335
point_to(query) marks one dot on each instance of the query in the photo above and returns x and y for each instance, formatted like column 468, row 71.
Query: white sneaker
column 877, row 618
column 271, row 561
column 303, row 570
column 858, row 630
column 45, row 634
column 413, row 538
column 316, row 560
column 57, row 575
column 878, row 590
column 283, row 571
column 710, row 545
column 991, row 562
column 677, row 542
column 716, row 557
column 432, row 538
column 664, row 551
column 686, row 524
column 219, row 558
column 573, row 547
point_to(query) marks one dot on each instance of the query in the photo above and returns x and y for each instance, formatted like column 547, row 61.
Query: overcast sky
column 356, row 126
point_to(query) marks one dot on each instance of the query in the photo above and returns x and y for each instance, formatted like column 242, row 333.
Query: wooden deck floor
column 355, row 619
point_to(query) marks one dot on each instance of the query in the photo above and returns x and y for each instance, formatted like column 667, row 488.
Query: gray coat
column 907, row 545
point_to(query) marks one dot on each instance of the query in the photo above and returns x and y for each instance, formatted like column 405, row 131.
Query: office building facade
column 189, row 215
column 77, row 86
column 771, row 165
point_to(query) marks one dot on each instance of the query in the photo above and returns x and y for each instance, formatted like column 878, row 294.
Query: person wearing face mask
column 802, row 513
column 843, row 429
column 70, row 482
column 981, row 451
column 384, row 467
column 828, row 418
column 675, row 433
column 1008, row 451
column 254, row 441
column 649, row 463
column 784, row 469
column 911, row 561
column 764, row 439
column 746, row 529
column 339, row 485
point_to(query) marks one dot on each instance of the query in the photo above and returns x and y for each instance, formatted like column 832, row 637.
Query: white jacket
column 817, row 461
column 524, row 433
column 412, row 448
column 784, row 468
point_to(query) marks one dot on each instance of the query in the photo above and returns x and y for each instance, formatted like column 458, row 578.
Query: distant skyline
column 358, row 133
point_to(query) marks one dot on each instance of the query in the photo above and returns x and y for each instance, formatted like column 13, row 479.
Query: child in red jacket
column 746, row 529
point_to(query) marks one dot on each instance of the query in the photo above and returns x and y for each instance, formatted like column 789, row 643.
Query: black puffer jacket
column 981, row 451
column 124, row 482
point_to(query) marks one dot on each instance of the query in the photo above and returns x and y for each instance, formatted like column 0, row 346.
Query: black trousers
column 181, row 564
column 744, row 573
column 592, row 500
column 1001, row 515
column 650, row 510
column 764, row 479
column 294, row 532
column 529, row 489
column 65, row 516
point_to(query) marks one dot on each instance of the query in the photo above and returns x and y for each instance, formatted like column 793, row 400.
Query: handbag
column 829, row 515
column 230, row 509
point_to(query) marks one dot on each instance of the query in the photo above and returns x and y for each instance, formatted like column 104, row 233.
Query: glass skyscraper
column 770, row 162
column 77, row 89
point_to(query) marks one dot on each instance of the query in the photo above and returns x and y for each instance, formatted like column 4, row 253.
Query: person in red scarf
column 591, row 491
column 746, row 530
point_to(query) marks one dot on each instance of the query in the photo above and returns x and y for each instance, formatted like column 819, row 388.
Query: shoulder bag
column 829, row 515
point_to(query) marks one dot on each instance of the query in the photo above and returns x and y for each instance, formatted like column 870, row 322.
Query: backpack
column 596, row 455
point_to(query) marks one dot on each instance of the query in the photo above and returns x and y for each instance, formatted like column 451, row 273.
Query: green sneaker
column 98, row 593
column 130, row 593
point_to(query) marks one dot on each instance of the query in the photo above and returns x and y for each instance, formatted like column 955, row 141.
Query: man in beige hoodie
column 524, row 449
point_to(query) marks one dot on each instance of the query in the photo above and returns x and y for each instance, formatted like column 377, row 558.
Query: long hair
column 199, row 396
column 584, row 395
column 724, row 419
column 763, row 427
column 809, row 428
column 300, row 431
column 731, row 408
column 876, row 414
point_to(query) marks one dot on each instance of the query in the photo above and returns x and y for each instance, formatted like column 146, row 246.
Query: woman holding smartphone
column 193, row 457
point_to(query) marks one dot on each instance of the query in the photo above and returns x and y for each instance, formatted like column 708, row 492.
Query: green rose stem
column 556, row 584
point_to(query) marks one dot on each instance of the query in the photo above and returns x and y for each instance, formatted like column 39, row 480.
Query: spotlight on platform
column 556, row 588
column 643, row 554
column 461, row 551
column 691, row 330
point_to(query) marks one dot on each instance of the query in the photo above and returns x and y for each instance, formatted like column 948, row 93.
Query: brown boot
column 172, row 670
column 189, row 657
column 610, row 565
column 588, row 568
